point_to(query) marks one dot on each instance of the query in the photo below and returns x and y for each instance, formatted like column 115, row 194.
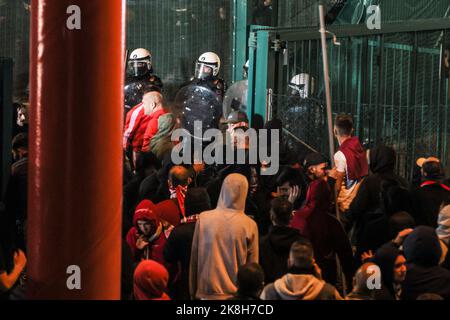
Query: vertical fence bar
column 239, row 37
column 327, row 82
column 413, row 100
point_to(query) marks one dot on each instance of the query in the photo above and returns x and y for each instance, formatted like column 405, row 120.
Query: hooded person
column 392, row 265
column 169, row 214
column 303, row 281
column 179, row 244
column 150, row 281
column 382, row 161
column 161, row 144
column 423, row 252
column 146, row 238
column 443, row 233
column 224, row 239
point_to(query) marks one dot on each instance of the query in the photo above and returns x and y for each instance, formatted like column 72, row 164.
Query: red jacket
column 152, row 128
column 318, row 203
column 146, row 210
column 135, row 126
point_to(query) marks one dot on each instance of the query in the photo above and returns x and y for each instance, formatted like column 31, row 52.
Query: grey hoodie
column 224, row 239
column 299, row 287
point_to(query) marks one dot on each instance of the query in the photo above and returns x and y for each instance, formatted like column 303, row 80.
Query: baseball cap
column 313, row 159
column 421, row 161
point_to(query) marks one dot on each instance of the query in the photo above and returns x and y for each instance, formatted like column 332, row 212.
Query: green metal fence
column 391, row 82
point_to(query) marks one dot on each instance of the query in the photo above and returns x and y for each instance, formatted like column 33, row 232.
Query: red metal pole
column 75, row 171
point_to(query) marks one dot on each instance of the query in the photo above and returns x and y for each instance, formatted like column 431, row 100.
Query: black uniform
column 134, row 87
column 217, row 85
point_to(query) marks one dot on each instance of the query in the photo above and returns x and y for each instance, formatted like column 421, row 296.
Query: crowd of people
column 355, row 230
column 348, row 229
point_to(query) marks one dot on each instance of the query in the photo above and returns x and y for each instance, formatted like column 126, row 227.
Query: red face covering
column 150, row 281
column 179, row 193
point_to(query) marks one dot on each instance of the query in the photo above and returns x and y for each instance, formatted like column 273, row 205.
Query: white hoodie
column 224, row 239
column 443, row 232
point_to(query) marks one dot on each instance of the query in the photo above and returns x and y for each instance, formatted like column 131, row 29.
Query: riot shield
column 236, row 98
column 197, row 103
column 133, row 93
column 305, row 121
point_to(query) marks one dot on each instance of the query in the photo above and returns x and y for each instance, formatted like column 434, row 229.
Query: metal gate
column 391, row 81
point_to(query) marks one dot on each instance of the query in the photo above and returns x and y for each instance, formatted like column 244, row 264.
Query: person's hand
column 317, row 270
column 141, row 243
column 366, row 256
column 401, row 236
column 19, row 259
column 333, row 173
column 294, row 194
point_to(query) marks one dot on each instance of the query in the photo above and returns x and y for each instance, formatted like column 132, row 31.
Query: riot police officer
column 304, row 115
column 207, row 68
column 139, row 75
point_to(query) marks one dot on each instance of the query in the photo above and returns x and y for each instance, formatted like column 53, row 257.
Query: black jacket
column 178, row 251
column 274, row 251
column 379, row 228
column 426, row 203
column 382, row 165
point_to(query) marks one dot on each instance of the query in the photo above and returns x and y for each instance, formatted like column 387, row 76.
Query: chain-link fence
column 393, row 85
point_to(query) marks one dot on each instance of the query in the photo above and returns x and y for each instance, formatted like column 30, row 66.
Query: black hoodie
column 382, row 166
column 274, row 251
column 423, row 251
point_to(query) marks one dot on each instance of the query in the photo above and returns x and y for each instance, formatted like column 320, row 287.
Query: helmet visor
column 203, row 71
column 139, row 67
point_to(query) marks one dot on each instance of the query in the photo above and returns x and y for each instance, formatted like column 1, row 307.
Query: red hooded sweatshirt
column 146, row 210
column 150, row 281
column 356, row 158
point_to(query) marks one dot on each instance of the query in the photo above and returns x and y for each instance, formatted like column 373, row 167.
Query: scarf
column 179, row 193
column 190, row 219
